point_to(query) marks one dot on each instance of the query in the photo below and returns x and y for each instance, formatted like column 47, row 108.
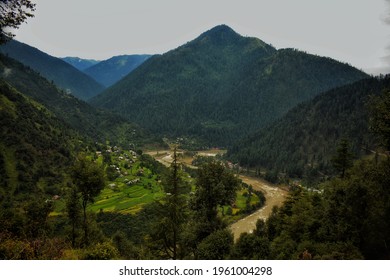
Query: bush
column 101, row 251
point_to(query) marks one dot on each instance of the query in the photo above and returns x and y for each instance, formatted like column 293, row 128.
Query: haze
column 348, row 30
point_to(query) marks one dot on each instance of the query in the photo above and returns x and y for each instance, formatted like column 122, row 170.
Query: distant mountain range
column 221, row 86
column 308, row 135
column 110, row 71
column 53, row 69
column 80, row 63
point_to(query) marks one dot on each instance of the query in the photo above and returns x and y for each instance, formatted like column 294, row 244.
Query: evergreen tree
column 74, row 211
column 173, row 212
column 343, row 158
column 216, row 186
column 380, row 117
column 89, row 179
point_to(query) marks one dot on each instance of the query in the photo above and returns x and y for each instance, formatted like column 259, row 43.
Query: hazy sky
column 353, row 31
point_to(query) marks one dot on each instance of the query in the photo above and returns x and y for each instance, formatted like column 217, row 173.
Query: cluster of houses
column 131, row 182
column 233, row 166
column 129, row 158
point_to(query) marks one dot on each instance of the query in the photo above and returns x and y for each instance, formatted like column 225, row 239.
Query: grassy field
column 126, row 199
column 136, row 185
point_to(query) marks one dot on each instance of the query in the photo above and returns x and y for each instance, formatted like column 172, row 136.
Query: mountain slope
column 110, row 71
column 35, row 146
column 96, row 124
column 80, row 63
column 53, row 69
column 307, row 136
column 221, row 86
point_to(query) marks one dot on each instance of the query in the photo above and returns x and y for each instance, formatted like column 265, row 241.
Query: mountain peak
column 220, row 34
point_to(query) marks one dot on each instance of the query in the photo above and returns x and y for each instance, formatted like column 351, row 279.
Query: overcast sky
column 352, row 31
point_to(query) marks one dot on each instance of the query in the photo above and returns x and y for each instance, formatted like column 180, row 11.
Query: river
column 274, row 195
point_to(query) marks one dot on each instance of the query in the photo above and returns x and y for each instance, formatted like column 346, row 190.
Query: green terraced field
column 128, row 199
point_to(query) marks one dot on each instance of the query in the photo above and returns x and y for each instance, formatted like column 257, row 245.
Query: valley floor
column 274, row 195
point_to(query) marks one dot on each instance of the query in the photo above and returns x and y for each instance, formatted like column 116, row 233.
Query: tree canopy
column 12, row 14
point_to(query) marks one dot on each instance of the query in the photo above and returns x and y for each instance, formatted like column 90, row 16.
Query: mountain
column 80, row 63
column 110, row 71
column 35, row 146
column 53, row 69
column 221, row 86
column 308, row 135
column 96, row 124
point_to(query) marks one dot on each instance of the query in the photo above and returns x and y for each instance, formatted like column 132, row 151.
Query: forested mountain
column 307, row 136
column 35, row 146
column 110, row 71
column 96, row 124
column 80, row 63
column 53, row 69
column 221, row 86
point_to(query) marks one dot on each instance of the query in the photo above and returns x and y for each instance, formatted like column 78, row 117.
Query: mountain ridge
column 110, row 71
column 96, row 124
column 53, row 69
column 221, row 85
column 307, row 136
column 80, row 63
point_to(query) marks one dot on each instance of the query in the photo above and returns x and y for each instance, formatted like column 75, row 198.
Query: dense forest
column 221, row 86
column 35, row 145
column 53, row 69
column 97, row 124
column 304, row 141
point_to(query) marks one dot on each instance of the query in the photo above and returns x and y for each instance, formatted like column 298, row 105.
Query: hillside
column 307, row 136
column 110, row 71
column 80, row 63
column 221, row 86
column 96, row 124
column 35, row 146
column 53, row 69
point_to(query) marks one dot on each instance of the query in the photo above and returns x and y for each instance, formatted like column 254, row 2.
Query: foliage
column 306, row 137
column 90, row 122
column 35, row 146
column 380, row 117
column 73, row 209
column 12, row 14
column 216, row 246
column 66, row 77
column 221, row 86
column 343, row 158
column 173, row 212
column 101, row 251
column 348, row 220
column 89, row 180
column 215, row 186
column 250, row 247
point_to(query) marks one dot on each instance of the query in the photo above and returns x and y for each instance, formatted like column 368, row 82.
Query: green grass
column 124, row 198
column 127, row 199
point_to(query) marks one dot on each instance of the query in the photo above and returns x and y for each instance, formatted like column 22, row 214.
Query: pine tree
column 343, row 158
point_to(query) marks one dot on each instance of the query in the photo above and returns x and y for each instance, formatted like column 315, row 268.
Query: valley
column 274, row 195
